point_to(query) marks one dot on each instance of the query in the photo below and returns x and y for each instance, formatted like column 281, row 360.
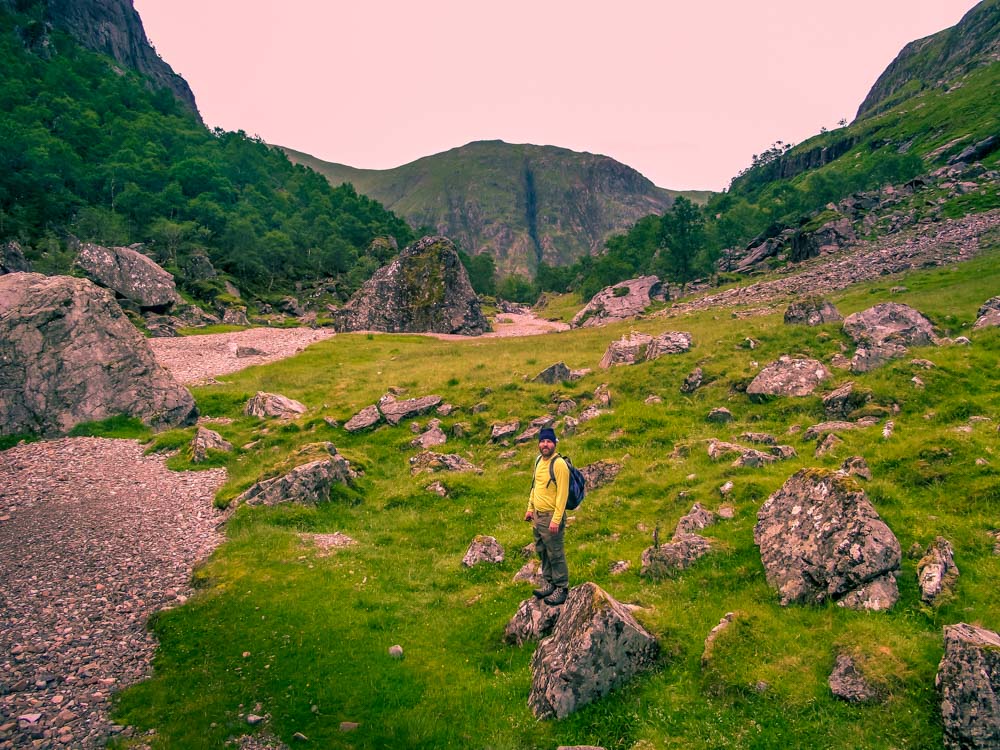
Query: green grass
column 317, row 630
column 121, row 426
column 218, row 328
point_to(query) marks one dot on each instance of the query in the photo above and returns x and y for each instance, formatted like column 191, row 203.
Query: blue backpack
column 577, row 482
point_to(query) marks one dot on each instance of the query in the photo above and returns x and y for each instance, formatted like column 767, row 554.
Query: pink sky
column 685, row 92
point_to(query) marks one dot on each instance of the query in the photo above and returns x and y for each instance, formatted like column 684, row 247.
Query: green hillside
column 306, row 637
column 522, row 204
column 91, row 150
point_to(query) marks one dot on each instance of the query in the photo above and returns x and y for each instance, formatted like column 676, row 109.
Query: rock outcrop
column 483, row 549
column 848, row 683
column 812, row 312
column 309, row 484
column 937, row 572
column 533, row 621
column 206, row 440
column 595, row 647
column 130, row 275
column 820, row 538
column 12, row 259
column 396, row 411
column 428, row 461
column 989, row 314
column 641, row 347
column 68, row 355
column 969, row 680
column 884, row 332
column 425, row 289
column 264, row 405
column 621, row 301
column 788, row 377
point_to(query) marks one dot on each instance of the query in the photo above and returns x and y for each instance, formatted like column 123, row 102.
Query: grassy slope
column 317, row 630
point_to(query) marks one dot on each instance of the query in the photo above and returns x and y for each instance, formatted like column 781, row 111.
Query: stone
column 206, row 440
column 715, row 633
column 266, row 405
column 68, row 354
column 820, row 538
column 501, row 431
column 937, row 573
column 719, row 415
column 665, row 560
column 829, row 444
column 719, row 448
column 619, row 567
column 693, row 381
column 826, row 428
column 552, row 374
column 235, row 316
column 968, row 679
column 437, row 488
column 249, row 351
column 641, row 347
column 842, row 401
column 884, row 332
column 829, row 238
column 856, row 466
column 697, row 519
column 483, row 549
column 849, row 684
column 621, row 301
column 652, row 398
column 596, row 646
column 531, row 571
column 533, row 621
column 428, row 461
column 364, row 419
column 600, row 473
column 12, row 259
column 130, row 275
column 396, row 651
column 530, row 435
column 761, row 438
column 430, row 438
column 811, row 312
column 788, row 377
column 395, row 411
column 602, row 396
column 308, row 484
column 424, row 289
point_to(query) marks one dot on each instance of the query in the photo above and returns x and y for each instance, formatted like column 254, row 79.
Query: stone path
column 95, row 538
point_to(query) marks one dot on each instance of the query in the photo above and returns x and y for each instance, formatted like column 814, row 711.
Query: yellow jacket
column 547, row 496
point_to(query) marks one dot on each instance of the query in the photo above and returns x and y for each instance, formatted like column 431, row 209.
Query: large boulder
column 988, row 315
column 266, row 405
column 884, row 332
column 483, row 549
column 425, row 289
column 12, row 259
column 788, row 377
column 68, row 355
column 396, row 411
column 595, row 647
column 812, row 312
column 618, row 302
column 428, row 461
column 829, row 238
column 129, row 274
column 308, row 484
column 641, row 347
column 969, row 680
column 533, row 621
column 820, row 538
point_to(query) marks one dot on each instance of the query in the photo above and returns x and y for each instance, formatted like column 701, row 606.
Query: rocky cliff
column 522, row 204
column 937, row 59
column 113, row 28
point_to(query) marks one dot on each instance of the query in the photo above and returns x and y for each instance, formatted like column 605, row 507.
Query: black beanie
column 547, row 433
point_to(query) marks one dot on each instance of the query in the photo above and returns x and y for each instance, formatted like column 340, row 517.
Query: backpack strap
column 552, row 469
column 539, row 458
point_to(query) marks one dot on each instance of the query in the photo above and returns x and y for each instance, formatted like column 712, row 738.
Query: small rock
column 396, row 652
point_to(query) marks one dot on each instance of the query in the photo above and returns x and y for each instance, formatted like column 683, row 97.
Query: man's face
column 546, row 447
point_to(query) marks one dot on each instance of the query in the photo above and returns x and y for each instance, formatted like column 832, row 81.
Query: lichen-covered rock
column 788, row 377
column 600, row 473
column 840, row 402
column 680, row 553
column 533, row 621
column 595, row 647
column 719, row 415
column 988, row 314
column 937, row 573
column 364, row 419
column 849, row 684
column 483, row 549
column 428, row 461
column 820, row 538
column 811, row 312
column 396, row 411
column 206, row 440
column 235, row 316
column 12, row 259
column 424, row 289
column 715, row 633
column 308, row 484
column 504, row 430
column 618, row 302
column 129, row 274
column 431, row 437
column 884, row 332
column 641, row 347
column 69, row 355
column 697, row 518
column 969, row 681
column 552, row 374
column 266, row 405
column 693, row 381
column 856, row 466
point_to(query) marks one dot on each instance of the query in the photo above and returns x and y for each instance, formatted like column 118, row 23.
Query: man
column 546, row 512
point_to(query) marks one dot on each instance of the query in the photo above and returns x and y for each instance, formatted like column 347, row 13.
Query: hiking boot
column 546, row 590
column 558, row 597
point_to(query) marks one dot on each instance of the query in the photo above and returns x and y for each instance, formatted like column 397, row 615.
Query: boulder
column 308, row 484
column 428, row 461
column 501, row 431
column 552, row 374
column 820, row 538
column 856, row 466
column 600, row 473
column 235, row 316
column 483, row 549
column 68, row 354
column 431, row 437
column 968, row 679
column 595, row 647
column 424, row 289
column 697, row 519
column 693, row 381
column 844, row 400
column 937, row 573
column 832, row 236
column 988, row 315
column 811, row 312
column 198, row 267
column 641, row 347
column 533, row 621
column 719, row 415
column 826, row 428
column 715, row 633
column 12, row 259
column 367, row 417
column 788, row 377
column 396, row 411
column 884, row 332
column 602, row 395
column 129, row 274
column 206, row 440
column 266, row 405
column 849, row 684
column 664, row 560
column 618, row 302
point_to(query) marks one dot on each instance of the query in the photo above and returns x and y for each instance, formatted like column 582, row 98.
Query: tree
column 682, row 235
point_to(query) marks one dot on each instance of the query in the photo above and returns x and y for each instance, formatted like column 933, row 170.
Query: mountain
column 938, row 60
column 110, row 27
column 522, row 204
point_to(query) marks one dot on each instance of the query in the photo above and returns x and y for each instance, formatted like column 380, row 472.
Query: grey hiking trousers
column 550, row 549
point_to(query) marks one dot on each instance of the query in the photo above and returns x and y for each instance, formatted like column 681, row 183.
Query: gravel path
column 95, row 538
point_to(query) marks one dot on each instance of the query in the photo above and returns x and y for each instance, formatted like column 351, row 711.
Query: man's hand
column 529, row 516
column 553, row 528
